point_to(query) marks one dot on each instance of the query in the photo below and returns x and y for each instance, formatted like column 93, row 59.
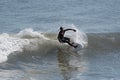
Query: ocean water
column 29, row 49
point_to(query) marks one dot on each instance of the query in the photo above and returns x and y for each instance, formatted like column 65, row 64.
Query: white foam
column 28, row 32
column 12, row 43
column 78, row 36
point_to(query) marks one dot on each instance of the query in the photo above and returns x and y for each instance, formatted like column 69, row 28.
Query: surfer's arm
column 70, row 29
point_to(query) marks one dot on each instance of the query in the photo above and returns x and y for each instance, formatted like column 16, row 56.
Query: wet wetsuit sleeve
column 69, row 29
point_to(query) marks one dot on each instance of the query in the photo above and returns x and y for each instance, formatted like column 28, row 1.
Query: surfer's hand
column 74, row 30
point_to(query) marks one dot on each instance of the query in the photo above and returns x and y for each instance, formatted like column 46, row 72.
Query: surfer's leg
column 72, row 44
column 75, row 46
column 65, row 39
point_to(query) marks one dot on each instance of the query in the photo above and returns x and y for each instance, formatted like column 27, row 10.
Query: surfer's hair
column 61, row 28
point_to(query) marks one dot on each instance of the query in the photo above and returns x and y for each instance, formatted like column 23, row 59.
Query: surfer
column 63, row 39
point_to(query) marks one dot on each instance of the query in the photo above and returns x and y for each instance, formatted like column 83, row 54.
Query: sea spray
column 17, row 42
column 9, row 44
column 29, row 33
column 78, row 37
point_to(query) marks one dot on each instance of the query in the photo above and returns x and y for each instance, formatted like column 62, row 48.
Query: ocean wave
column 30, row 40
column 104, row 41
column 10, row 43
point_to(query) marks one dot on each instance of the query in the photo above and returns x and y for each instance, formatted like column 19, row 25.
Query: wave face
column 104, row 41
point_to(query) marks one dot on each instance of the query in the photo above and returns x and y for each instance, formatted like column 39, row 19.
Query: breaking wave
column 30, row 40
column 25, row 39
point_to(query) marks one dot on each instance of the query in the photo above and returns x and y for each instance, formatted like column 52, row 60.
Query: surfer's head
column 61, row 28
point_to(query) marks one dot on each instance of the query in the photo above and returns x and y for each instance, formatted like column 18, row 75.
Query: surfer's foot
column 75, row 46
column 72, row 43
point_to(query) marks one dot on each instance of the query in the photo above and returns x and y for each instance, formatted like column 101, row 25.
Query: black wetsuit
column 61, row 37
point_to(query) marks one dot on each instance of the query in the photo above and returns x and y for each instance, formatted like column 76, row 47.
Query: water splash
column 12, row 43
column 79, row 36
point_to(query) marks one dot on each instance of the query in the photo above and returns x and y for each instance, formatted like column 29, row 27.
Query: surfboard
column 78, row 38
column 75, row 44
column 77, row 47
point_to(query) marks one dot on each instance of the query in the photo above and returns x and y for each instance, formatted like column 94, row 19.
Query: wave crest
column 17, row 42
